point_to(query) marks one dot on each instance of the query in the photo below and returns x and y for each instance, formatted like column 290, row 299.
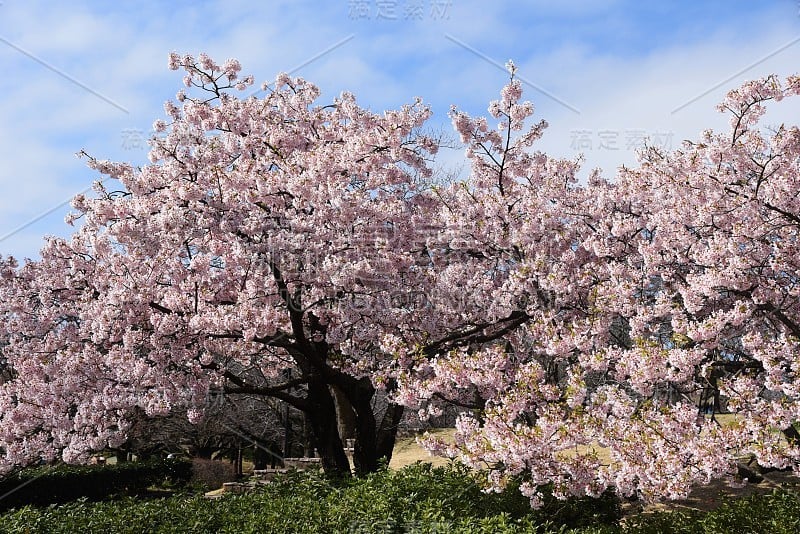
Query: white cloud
column 624, row 67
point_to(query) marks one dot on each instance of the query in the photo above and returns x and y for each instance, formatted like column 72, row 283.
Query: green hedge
column 417, row 499
column 64, row 483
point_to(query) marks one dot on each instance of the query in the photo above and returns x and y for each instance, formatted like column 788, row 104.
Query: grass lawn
column 407, row 450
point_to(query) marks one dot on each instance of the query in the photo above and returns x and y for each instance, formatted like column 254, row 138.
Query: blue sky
column 604, row 74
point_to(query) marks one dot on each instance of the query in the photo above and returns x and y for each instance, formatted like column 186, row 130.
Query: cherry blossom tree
column 592, row 334
column 651, row 305
column 719, row 239
column 259, row 254
column 273, row 248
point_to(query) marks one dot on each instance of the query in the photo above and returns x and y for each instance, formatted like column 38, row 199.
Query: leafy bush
column 418, row 499
column 60, row 484
column 424, row 494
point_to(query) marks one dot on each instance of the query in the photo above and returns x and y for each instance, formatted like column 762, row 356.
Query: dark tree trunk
column 287, row 431
column 374, row 443
column 309, row 445
column 322, row 417
column 365, row 452
column 387, row 432
column 374, row 440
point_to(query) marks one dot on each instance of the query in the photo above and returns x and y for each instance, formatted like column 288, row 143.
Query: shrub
column 211, row 474
column 418, row 499
column 59, row 484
